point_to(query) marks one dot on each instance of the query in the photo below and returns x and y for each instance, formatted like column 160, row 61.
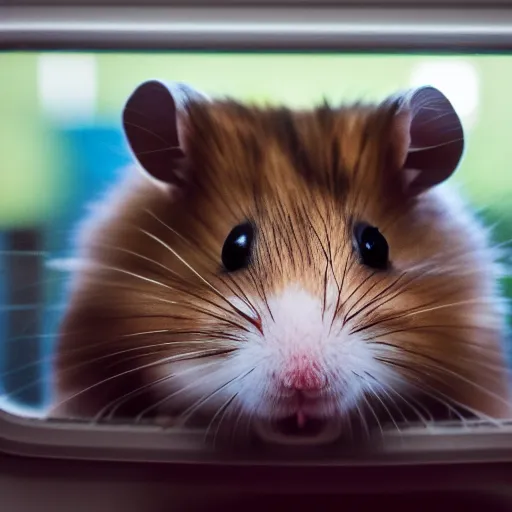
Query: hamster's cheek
column 444, row 339
column 200, row 386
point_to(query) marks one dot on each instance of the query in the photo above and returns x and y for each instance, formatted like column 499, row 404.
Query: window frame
column 226, row 29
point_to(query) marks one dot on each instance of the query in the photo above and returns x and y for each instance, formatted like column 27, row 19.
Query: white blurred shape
column 456, row 79
column 67, row 87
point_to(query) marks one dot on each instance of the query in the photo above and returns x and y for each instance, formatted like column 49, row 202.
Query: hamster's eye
column 236, row 252
column 373, row 247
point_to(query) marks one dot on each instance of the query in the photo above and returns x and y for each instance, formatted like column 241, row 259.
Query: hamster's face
column 291, row 279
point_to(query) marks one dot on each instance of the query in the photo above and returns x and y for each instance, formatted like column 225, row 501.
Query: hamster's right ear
column 153, row 124
column 429, row 138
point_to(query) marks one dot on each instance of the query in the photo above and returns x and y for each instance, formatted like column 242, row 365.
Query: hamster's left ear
column 428, row 138
column 153, row 120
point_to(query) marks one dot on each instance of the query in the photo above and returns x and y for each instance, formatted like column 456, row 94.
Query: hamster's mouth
column 297, row 429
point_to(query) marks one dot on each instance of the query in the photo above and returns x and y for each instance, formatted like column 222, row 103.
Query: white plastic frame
column 238, row 29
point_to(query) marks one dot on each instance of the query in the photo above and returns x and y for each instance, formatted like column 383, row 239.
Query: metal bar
column 261, row 3
column 281, row 29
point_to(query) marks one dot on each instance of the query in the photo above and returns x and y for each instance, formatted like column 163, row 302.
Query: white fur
column 297, row 333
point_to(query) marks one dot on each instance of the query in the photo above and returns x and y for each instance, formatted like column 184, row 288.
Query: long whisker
column 453, row 304
column 180, row 357
column 457, row 375
column 440, row 365
column 363, row 421
column 388, row 295
column 348, row 316
column 140, row 256
column 422, row 385
column 237, row 421
column 385, row 407
column 203, row 311
column 149, row 353
column 340, row 289
column 482, row 364
column 114, row 405
column 261, row 292
column 361, row 284
column 211, row 335
column 414, row 312
column 220, row 412
column 251, row 320
column 70, row 368
column 441, row 330
column 411, row 403
column 374, row 414
column 180, row 391
column 173, row 288
column 243, row 297
column 190, row 411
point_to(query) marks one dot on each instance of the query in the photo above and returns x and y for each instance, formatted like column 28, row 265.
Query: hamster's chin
column 297, row 430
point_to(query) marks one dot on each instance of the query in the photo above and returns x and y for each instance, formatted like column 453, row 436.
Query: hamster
column 292, row 271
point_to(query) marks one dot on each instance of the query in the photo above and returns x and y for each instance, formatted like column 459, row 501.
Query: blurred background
column 61, row 145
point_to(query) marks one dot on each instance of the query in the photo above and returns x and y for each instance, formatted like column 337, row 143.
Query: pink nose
column 304, row 375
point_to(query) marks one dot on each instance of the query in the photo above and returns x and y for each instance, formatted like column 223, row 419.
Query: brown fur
column 304, row 179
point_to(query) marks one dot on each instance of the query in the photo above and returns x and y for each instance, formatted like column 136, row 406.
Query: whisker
column 488, row 366
column 114, row 405
column 244, row 297
column 140, row 256
column 363, row 421
column 374, row 414
column 211, row 336
column 348, row 316
column 411, row 403
column 149, row 353
column 203, row 311
column 221, row 411
column 438, row 364
column 237, row 422
column 325, row 289
column 340, row 289
column 180, row 357
column 438, row 329
column 251, row 320
column 183, row 389
column 422, row 385
column 190, row 411
column 174, row 288
column 361, row 284
column 453, row 304
column 384, row 297
column 84, row 348
column 414, row 312
column 385, row 407
column 261, row 292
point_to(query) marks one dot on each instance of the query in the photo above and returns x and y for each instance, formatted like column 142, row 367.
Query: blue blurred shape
column 94, row 156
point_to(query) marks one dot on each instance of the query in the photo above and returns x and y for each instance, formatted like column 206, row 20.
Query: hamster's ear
column 429, row 138
column 152, row 123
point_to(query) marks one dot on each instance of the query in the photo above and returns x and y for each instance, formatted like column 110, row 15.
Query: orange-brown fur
column 303, row 178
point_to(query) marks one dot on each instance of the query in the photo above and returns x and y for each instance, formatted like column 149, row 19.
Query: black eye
column 236, row 252
column 373, row 247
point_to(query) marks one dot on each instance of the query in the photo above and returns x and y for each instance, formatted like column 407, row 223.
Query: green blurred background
column 61, row 144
